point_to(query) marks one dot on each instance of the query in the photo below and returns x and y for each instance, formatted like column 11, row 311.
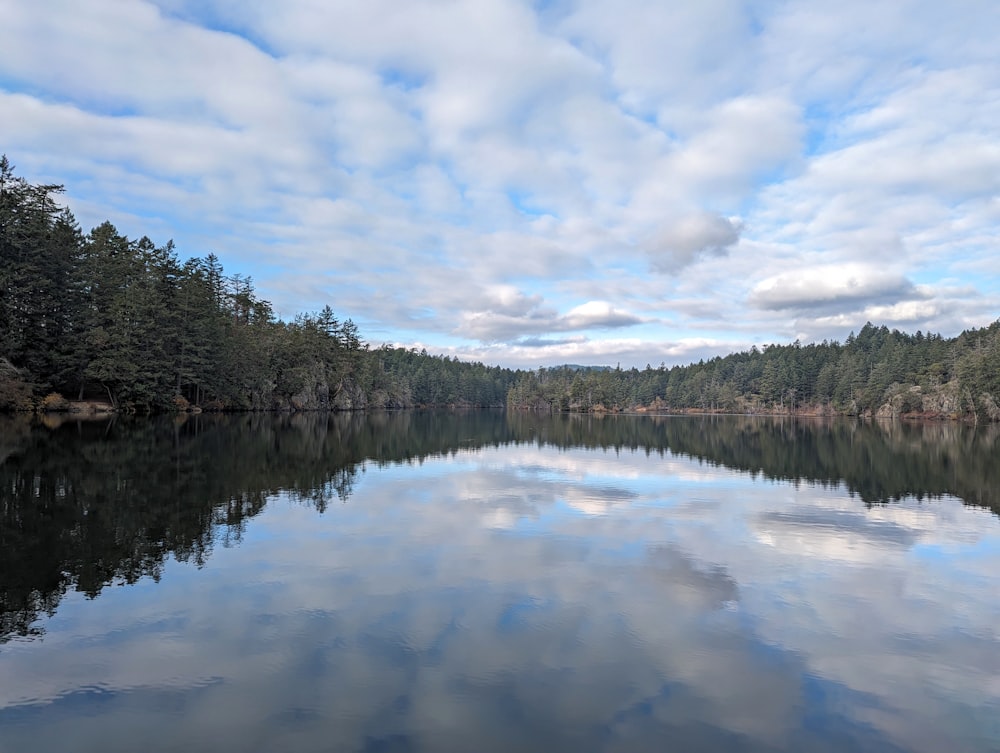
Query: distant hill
column 580, row 367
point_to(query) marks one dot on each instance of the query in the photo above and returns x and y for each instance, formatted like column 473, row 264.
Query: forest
column 100, row 317
column 103, row 318
column 877, row 372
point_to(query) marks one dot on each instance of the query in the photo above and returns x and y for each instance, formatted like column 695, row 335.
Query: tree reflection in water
column 87, row 504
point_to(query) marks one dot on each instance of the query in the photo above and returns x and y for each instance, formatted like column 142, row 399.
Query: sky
column 536, row 183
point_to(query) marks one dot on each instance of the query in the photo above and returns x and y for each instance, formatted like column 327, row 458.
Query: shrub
column 53, row 403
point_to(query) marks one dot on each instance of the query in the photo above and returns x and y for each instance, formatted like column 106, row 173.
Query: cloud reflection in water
column 541, row 598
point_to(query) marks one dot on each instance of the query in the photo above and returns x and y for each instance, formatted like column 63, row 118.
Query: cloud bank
column 728, row 172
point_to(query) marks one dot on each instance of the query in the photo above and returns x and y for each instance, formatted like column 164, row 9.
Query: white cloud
column 678, row 243
column 397, row 162
column 830, row 287
column 534, row 352
column 511, row 315
column 598, row 314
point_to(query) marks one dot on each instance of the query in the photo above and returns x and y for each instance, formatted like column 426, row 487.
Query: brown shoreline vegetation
column 817, row 411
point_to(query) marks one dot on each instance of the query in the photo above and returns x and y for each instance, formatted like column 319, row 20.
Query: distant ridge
column 579, row 367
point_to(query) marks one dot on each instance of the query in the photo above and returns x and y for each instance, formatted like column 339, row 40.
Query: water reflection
column 569, row 585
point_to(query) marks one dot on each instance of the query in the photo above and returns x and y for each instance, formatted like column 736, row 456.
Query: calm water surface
column 478, row 582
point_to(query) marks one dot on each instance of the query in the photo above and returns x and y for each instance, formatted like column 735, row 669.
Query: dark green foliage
column 39, row 294
column 124, row 321
column 876, row 372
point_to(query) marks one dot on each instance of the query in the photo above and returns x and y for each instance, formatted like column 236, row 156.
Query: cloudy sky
column 538, row 182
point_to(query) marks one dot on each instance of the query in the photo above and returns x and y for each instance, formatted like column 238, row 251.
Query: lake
column 489, row 582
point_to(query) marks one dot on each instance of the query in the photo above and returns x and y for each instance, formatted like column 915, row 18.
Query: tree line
column 876, row 372
column 103, row 317
column 100, row 316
